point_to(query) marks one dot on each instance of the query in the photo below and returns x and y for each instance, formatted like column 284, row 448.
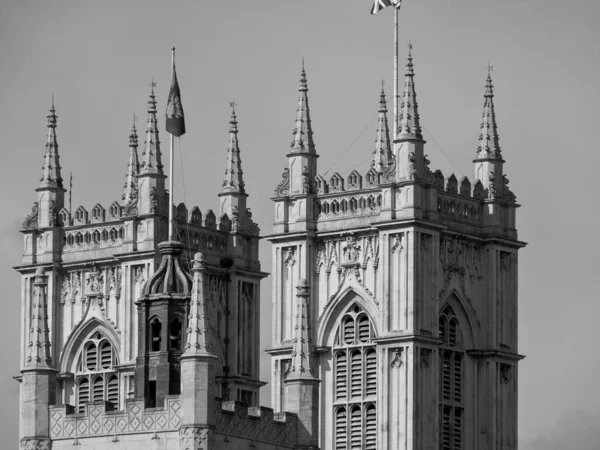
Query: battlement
column 233, row 419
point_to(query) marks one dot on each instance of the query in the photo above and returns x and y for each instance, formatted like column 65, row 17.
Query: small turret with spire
column 408, row 143
column 151, row 178
column 489, row 165
column 233, row 193
column 302, row 386
column 50, row 190
column 130, row 189
column 38, row 385
column 382, row 155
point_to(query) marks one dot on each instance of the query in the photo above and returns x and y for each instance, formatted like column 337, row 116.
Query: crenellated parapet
column 233, row 420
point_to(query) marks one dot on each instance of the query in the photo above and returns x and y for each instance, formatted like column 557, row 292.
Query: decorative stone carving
column 31, row 221
column 425, row 354
column 505, row 373
column 36, row 444
column 290, row 258
column 397, row 243
column 350, row 251
column 196, row 438
column 94, row 281
column 492, row 193
column 283, row 188
column 412, row 166
column 395, row 357
column 306, row 188
column 153, row 200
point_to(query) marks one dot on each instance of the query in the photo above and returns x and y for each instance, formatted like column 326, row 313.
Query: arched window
column 451, row 380
column 95, row 376
column 355, row 375
column 155, row 328
column 175, row 334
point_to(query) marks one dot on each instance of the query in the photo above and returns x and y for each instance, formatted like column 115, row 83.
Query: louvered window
column 371, row 428
column 341, row 376
column 83, row 393
column 355, row 374
column 106, row 356
column 98, row 394
column 95, row 375
column 451, row 380
column 341, row 428
column 371, row 369
column 112, row 394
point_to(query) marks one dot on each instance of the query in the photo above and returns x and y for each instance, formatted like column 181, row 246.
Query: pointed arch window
column 95, row 376
column 355, row 386
column 451, row 381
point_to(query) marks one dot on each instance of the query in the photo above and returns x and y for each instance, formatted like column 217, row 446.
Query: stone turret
column 382, row 155
column 299, row 177
column 302, row 386
column 161, row 312
column 489, row 165
column 233, row 193
column 408, row 143
column 50, row 191
column 151, row 178
column 38, row 375
column 198, row 369
column 130, row 189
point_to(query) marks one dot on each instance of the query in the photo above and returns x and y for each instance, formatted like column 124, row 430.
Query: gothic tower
column 396, row 293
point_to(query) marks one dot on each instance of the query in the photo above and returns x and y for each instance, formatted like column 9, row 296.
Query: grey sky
column 98, row 58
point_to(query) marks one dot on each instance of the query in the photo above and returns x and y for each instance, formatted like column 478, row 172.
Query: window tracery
column 95, row 375
column 355, row 382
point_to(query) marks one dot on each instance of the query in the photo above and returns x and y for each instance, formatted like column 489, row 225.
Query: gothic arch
column 466, row 316
column 328, row 321
column 80, row 334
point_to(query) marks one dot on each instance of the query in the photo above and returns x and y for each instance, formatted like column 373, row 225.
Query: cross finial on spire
column 233, row 104
column 489, row 68
column 410, row 46
column 152, row 84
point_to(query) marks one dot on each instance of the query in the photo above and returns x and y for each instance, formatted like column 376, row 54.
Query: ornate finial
column 233, row 181
column 302, row 367
column 410, row 46
column 382, row 155
column 152, row 84
column 303, row 135
column 134, row 122
column 489, row 145
column 409, row 124
column 151, row 156
column 382, row 84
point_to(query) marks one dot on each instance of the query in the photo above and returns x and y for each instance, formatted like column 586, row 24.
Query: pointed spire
column 303, row 134
column 51, row 169
column 133, row 167
column 382, row 155
column 408, row 122
column 197, row 341
column 151, row 156
column 302, row 366
column 489, row 142
column 38, row 351
column 233, row 181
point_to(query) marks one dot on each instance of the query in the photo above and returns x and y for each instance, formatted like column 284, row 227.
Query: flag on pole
column 380, row 4
column 175, row 119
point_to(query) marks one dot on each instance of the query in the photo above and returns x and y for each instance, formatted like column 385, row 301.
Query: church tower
column 396, row 293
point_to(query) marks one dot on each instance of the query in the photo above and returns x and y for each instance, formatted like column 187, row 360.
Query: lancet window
column 451, row 381
column 95, row 375
column 355, row 382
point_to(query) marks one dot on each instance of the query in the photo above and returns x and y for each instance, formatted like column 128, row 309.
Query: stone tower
column 133, row 341
column 395, row 292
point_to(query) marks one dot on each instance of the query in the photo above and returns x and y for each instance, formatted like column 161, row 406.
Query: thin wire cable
column 353, row 142
column 440, row 147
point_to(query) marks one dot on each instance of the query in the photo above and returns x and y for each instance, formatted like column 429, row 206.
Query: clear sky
column 98, row 58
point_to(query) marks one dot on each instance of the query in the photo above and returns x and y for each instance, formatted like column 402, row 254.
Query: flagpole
column 172, row 142
column 396, row 10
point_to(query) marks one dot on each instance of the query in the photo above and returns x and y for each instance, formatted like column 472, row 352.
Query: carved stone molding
column 196, row 438
column 425, row 354
column 36, row 444
column 505, row 373
column 396, row 357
